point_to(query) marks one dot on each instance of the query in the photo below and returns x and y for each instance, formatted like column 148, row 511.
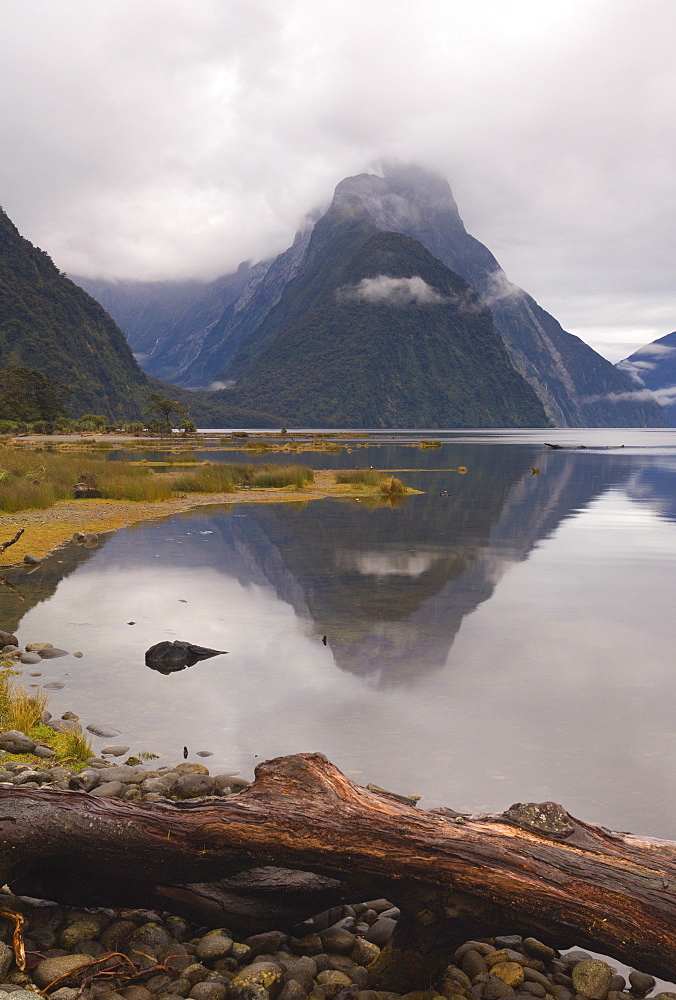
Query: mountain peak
column 406, row 196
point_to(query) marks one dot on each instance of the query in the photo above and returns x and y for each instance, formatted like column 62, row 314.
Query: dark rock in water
column 51, row 652
column 106, row 731
column 167, row 657
column 65, row 726
column 31, row 560
column 30, row 658
column 54, row 686
column 114, row 751
column 7, row 639
column 15, row 742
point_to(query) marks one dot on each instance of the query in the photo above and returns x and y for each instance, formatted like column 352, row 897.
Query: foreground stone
column 141, row 954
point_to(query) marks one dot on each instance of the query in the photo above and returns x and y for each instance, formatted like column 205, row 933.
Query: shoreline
column 50, row 528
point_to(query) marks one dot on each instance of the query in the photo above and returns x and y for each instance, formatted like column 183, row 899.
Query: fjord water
column 511, row 641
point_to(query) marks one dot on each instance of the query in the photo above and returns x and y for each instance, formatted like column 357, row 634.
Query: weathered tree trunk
column 532, row 869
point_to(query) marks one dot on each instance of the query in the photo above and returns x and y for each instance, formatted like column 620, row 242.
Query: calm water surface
column 512, row 641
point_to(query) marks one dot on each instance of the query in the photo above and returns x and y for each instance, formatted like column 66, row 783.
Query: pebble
column 201, row 964
column 31, row 658
column 98, row 729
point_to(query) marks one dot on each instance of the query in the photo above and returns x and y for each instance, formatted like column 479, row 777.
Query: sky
column 161, row 139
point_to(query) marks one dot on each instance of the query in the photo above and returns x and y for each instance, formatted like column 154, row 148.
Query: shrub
column 391, row 487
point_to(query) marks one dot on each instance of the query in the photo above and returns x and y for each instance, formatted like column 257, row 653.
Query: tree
column 164, row 411
column 28, row 395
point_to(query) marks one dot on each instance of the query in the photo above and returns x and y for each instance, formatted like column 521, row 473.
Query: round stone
column 537, row 949
column 208, row 991
column 215, row 944
column 591, row 978
column 642, row 982
column 260, row 974
column 191, row 786
column 14, row 741
column 50, row 969
column 337, row 940
column 85, row 928
column 333, row 981
column 30, row 658
column 510, row 973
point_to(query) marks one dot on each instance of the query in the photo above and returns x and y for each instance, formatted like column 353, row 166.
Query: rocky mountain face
column 576, row 385
column 376, row 332
column 224, row 334
column 187, row 332
column 653, row 367
column 50, row 325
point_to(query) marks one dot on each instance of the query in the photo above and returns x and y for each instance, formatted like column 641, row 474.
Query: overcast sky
column 174, row 138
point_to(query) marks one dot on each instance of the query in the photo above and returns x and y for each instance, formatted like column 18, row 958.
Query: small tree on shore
column 164, row 411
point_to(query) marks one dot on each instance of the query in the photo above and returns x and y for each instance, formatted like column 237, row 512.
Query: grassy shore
column 23, row 712
column 45, row 529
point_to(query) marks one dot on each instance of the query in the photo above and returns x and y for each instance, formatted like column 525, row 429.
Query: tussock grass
column 281, row 476
column 30, row 480
column 385, row 484
column 360, row 477
column 391, row 487
column 22, row 710
column 205, row 479
column 19, row 709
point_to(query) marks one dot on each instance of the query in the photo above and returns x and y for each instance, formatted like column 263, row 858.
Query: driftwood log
column 304, row 837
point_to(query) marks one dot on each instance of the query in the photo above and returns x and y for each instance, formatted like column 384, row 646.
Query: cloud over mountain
column 399, row 292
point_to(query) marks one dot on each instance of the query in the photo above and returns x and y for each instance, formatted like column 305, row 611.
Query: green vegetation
column 325, row 356
column 23, row 711
column 49, row 325
column 164, row 412
column 429, row 444
column 28, row 396
column 38, row 479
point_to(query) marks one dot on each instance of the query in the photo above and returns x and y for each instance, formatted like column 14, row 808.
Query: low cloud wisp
column 386, row 291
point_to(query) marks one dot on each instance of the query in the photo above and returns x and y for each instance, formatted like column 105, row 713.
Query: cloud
column 500, row 288
column 171, row 140
column 639, row 396
column 658, row 350
column 386, row 291
column 666, row 396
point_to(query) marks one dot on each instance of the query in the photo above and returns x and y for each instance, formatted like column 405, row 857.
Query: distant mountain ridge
column 50, row 325
column 576, row 386
column 653, row 367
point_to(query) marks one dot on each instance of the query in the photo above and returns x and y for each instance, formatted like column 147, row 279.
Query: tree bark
column 533, row 869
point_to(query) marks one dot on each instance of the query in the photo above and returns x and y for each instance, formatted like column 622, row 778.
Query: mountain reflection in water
column 507, row 641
